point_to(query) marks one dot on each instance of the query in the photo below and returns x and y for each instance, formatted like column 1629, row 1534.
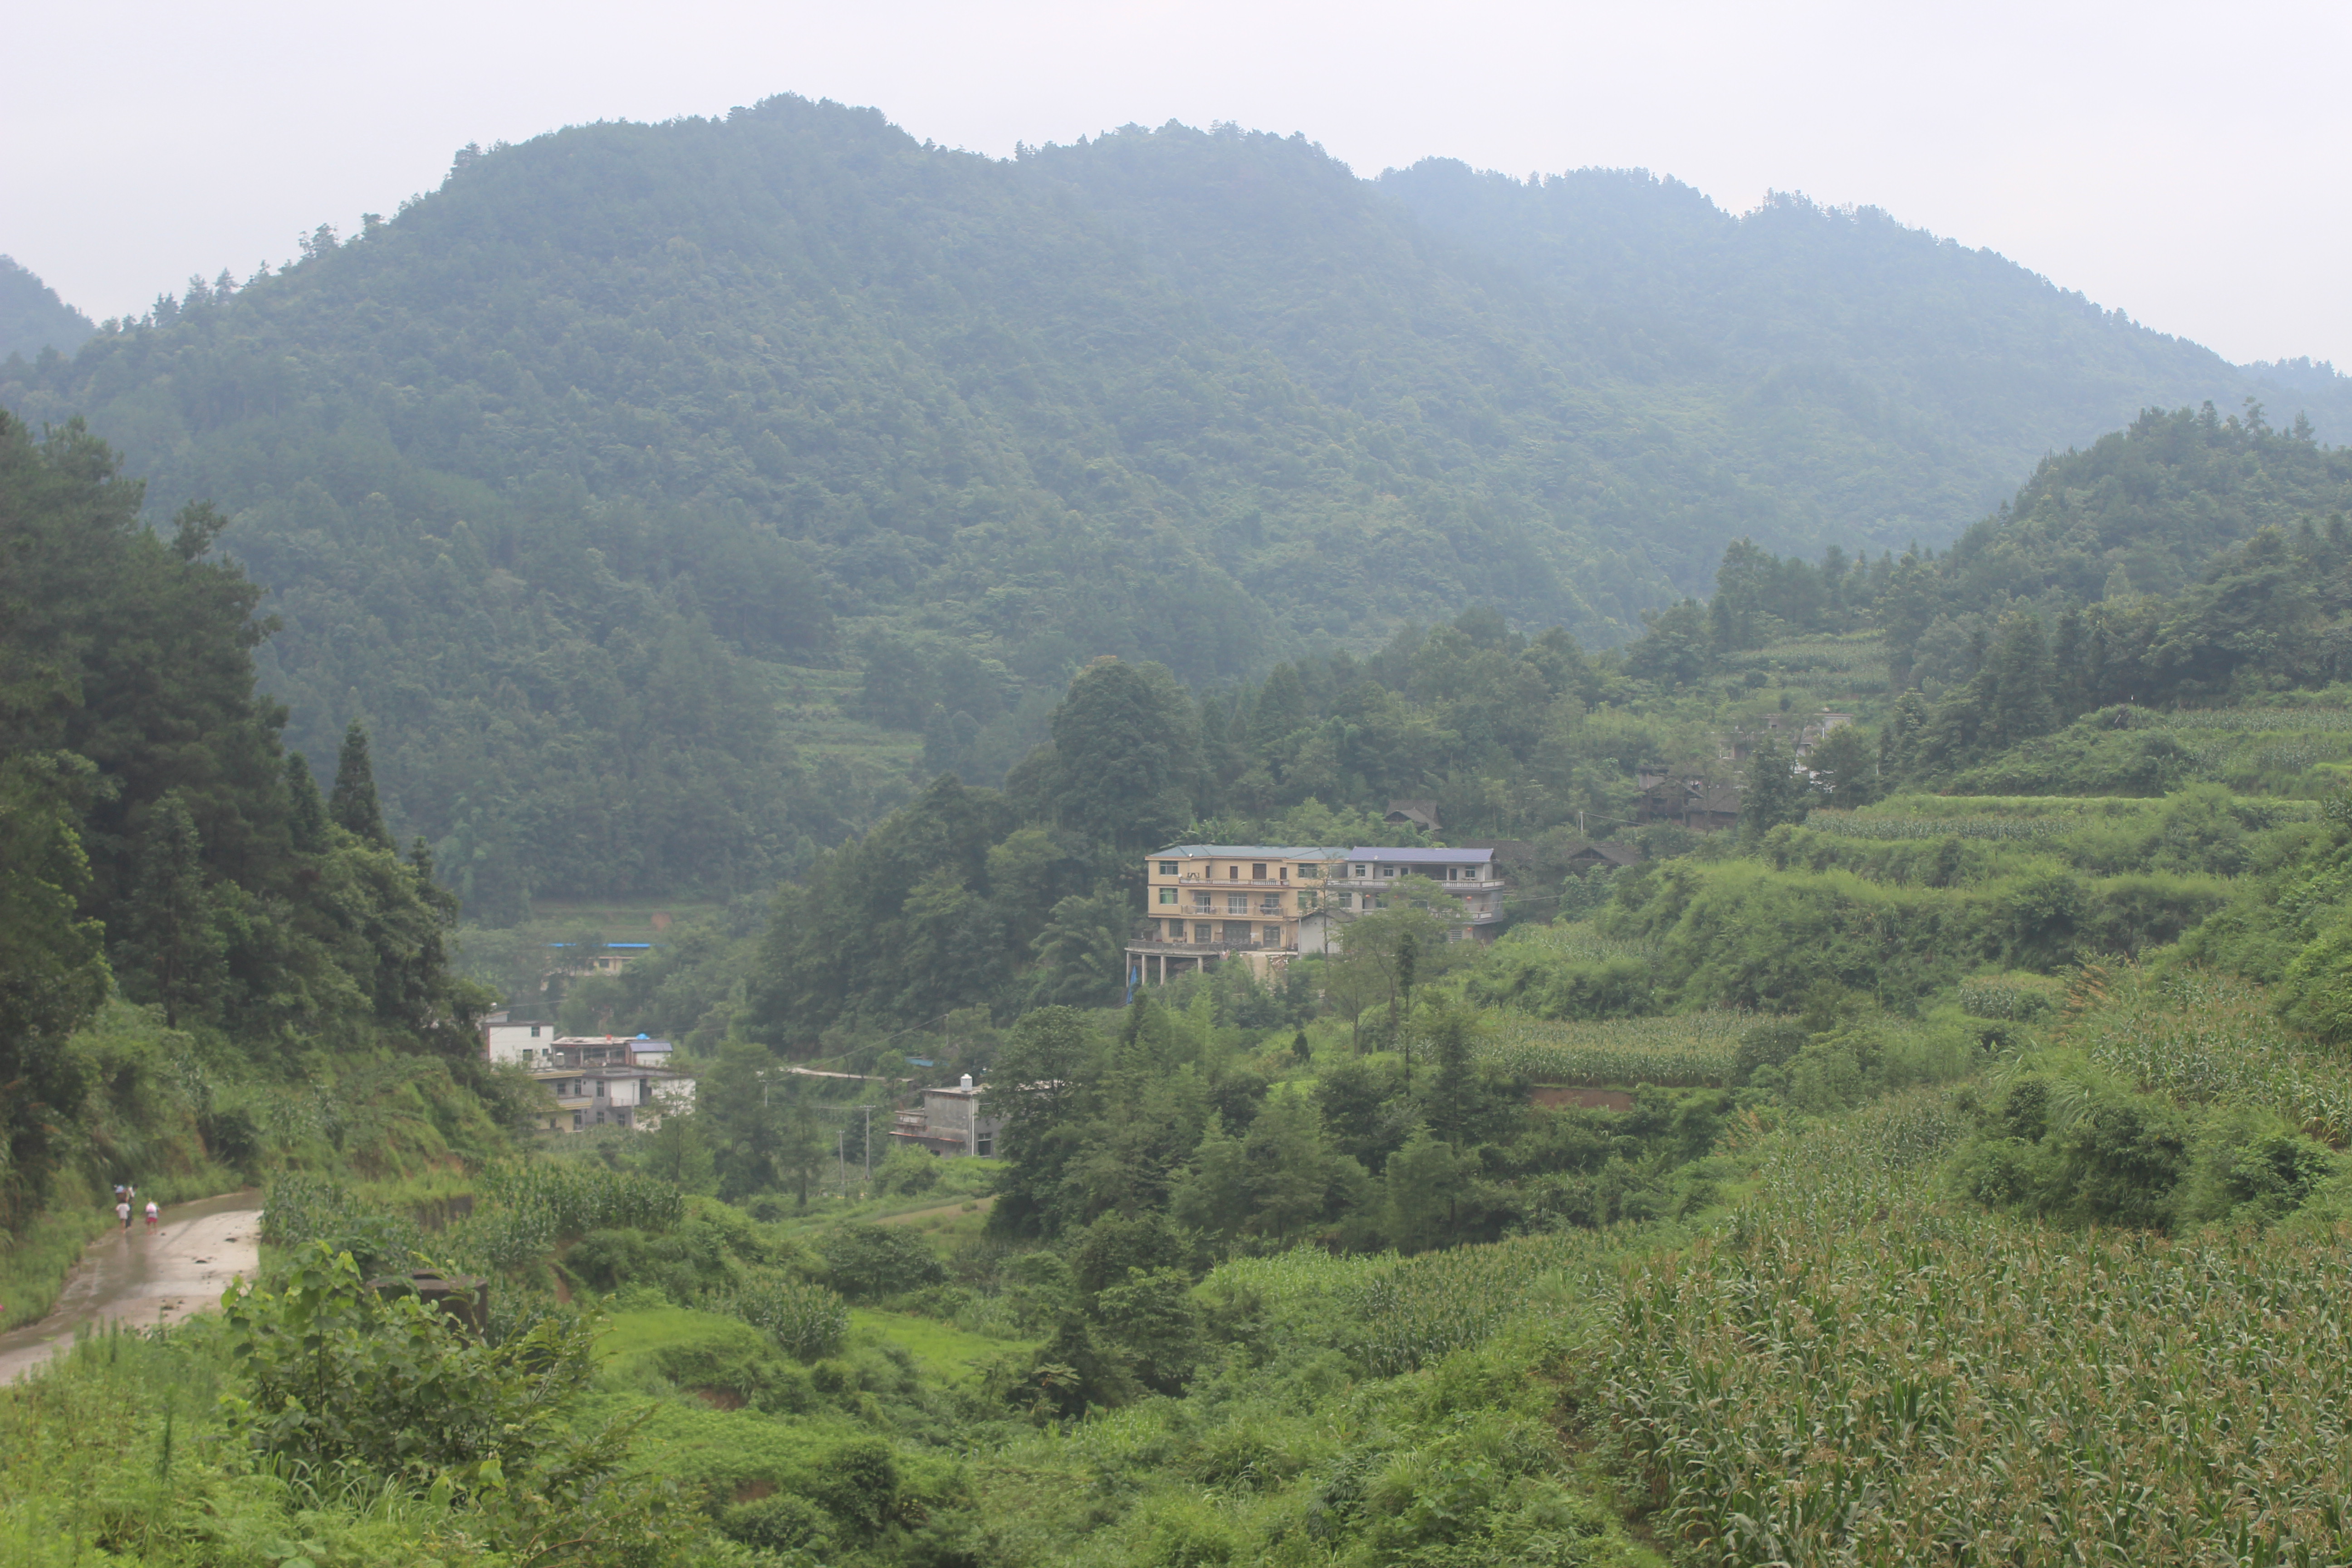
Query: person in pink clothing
column 124, row 1209
column 153, row 1214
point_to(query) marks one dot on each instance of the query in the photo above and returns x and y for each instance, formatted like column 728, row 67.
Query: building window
column 1168, row 868
column 1362, row 869
column 1388, row 871
column 1257, row 872
column 1453, row 873
column 1200, row 900
column 1167, row 895
column 1236, row 903
column 1233, row 873
column 577, row 1122
column 1273, row 936
column 534, row 1031
column 1307, row 901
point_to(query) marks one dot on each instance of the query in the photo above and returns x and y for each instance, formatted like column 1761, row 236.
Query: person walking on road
column 123, row 1208
column 153, row 1214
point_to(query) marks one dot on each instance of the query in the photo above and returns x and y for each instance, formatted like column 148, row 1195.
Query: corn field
column 2205, row 1035
column 1392, row 1314
column 579, row 1198
column 1857, row 1376
column 1689, row 1051
column 1575, row 940
column 1408, row 1313
column 2245, row 720
column 1847, row 825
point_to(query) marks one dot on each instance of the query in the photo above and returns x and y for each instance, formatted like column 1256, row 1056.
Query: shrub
column 907, row 1171
column 338, row 1374
column 869, row 1261
column 801, row 1316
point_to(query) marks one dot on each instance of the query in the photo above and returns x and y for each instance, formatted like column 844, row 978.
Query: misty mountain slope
column 552, row 472
column 1823, row 330
column 32, row 317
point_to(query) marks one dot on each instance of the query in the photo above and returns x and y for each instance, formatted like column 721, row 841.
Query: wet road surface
column 142, row 1279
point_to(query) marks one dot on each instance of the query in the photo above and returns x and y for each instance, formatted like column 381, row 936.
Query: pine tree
column 1281, row 712
column 168, row 948
column 354, row 805
column 1774, row 794
column 306, row 814
column 2019, row 705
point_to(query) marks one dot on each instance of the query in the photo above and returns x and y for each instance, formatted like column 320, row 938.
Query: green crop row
column 577, row 1199
column 1407, row 1313
column 1857, row 1374
column 1847, row 825
column 2206, row 1036
column 1690, row 1049
column 2250, row 720
column 1573, row 940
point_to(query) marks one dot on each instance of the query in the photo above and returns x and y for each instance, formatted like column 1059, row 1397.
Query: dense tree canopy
column 156, row 834
column 553, row 473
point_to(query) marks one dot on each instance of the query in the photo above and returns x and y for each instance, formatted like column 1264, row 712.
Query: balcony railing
column 1146, row 937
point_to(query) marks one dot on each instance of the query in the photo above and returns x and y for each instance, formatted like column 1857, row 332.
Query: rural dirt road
column 142, row 1280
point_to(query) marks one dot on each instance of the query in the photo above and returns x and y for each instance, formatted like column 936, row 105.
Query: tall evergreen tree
column 352, row 805
column 1129, row 753
column 1775, row 793
column 2018, row 702
column 306, row 812
column 169, row 947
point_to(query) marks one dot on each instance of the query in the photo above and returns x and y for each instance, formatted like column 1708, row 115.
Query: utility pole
column 870, row 1147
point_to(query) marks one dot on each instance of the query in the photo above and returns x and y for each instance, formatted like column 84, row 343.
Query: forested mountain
column 157, row 842
column 2146, row 524
column 32, row 317
column 551, row 472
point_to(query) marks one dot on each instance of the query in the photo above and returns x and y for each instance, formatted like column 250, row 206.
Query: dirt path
column 142, row 1281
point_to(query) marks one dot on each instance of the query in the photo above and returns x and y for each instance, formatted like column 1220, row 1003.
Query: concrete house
column 628, row 1097
column 953, row 1121
column 1265, row 904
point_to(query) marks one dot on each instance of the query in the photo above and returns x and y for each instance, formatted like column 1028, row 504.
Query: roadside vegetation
column 1945, row 1164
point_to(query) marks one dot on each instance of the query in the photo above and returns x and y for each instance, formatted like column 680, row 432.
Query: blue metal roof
column 1249, row 851
column 1423, row 857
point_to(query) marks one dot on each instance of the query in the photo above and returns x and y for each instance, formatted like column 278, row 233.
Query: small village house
column 951, row 1120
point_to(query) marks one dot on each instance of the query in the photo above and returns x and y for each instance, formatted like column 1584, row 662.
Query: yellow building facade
column 1203, row 900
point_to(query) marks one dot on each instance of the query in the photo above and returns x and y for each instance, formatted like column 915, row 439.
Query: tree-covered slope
column 551, row 473
column 1883, row 373
column 2127, row 524
column 32, row 317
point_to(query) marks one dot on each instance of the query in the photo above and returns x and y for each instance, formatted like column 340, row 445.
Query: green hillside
column 32, row 317
column 555, row 474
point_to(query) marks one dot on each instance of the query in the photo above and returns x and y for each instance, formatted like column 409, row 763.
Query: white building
column 629, row 1097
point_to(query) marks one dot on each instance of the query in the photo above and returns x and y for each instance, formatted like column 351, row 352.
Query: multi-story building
column 629, row 1097
column 539, row 1046
column 954, row 1122
column 1206, row 902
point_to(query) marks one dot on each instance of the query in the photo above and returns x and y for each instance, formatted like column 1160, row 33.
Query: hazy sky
column 2168, row 159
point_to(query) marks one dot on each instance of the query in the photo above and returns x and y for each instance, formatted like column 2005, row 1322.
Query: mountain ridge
column 574, row 452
